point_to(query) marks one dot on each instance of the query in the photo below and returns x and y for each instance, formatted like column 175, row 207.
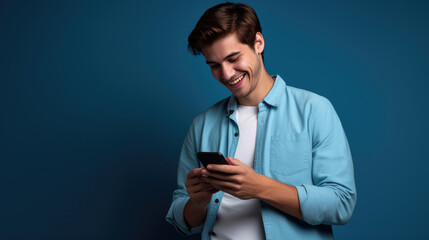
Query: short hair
column 222, row 20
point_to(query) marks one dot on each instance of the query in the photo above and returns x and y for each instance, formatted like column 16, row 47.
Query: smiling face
column 239, row 67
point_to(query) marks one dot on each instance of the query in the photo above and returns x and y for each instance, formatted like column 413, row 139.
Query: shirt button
column 236, row 134
column 217, row 200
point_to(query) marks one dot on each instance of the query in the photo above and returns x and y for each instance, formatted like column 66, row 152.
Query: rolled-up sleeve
column 175, row 217
column 187, row 162
column 332, row 196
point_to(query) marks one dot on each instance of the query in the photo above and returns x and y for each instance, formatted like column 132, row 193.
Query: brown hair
column 222, row 20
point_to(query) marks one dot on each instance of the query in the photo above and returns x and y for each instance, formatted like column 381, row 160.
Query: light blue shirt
column 299, row 141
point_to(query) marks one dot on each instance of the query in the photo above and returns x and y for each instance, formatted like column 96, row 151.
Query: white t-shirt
column 236, row 218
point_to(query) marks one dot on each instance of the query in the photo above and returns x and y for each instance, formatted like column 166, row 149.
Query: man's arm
column 243, row 182
column 281, row 196
column 332, row 196
column 180, row 206
column 200, row 194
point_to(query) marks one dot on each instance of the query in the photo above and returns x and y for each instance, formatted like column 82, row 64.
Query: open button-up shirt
column 299, row 141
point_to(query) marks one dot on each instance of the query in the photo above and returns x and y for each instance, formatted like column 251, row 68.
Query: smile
column 237, row 80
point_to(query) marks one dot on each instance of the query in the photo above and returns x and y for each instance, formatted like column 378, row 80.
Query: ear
column 259, row 43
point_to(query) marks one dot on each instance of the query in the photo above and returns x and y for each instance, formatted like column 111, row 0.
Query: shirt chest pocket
column 289, row 154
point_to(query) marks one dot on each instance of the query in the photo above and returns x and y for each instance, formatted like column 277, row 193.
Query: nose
column 227, row 71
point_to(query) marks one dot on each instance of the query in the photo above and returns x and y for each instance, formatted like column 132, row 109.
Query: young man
column 290, row 174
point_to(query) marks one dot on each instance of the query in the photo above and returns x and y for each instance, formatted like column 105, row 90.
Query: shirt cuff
column 307, row 211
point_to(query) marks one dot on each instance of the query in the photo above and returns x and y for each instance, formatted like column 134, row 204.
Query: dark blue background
column 97, row 96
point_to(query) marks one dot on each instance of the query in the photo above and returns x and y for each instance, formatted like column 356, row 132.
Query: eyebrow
column 230, row 55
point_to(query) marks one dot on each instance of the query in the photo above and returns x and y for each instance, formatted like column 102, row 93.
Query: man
column 290, row 174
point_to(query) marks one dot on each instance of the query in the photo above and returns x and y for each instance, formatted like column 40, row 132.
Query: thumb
column 234, row 161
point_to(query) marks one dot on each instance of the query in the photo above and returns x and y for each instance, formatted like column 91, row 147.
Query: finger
column 223, row 185
column 222, row 177
column 194, row 182
column 207, row 173
column 201, row 182
column 235, row 162
column 210, row 189
column 200, row 188
column 196, row 172
column 214, row 190
column 229, row 169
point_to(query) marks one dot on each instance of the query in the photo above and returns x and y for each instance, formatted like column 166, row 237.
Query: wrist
column 262, row 187
column 194, row 214
column 194, row 205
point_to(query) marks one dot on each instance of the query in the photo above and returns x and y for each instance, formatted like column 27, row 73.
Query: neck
column 263, row 87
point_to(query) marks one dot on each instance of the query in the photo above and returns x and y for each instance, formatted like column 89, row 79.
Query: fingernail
column 209, row 167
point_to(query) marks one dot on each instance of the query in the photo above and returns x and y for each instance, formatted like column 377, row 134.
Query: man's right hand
column 200, row 194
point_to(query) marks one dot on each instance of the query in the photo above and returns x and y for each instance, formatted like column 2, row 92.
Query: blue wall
column 96, row 98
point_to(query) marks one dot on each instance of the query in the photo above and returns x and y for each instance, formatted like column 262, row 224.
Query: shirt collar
column 232, row 105
column 273, row 97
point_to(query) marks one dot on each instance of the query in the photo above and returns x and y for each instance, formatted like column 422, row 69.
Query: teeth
column 237, row 80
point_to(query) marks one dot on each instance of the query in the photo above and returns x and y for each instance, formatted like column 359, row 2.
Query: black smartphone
column 207, row 158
